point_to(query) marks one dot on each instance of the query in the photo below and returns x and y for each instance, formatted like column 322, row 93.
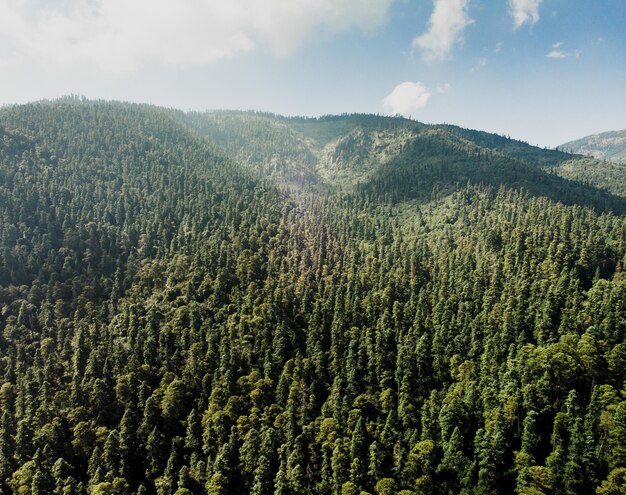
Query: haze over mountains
column 609, row 145
column 350, row 151
column 236, row 302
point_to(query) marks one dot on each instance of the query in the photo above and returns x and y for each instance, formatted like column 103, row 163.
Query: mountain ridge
column 609, row 145
column 319, row 161
column 308, row 150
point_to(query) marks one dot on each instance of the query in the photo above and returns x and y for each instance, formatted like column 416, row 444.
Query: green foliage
column 348, row 304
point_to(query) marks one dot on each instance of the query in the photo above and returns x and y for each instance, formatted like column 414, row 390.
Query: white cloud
column 406, row 99
column 524, row 12
column 121, row 36
column 557, row 53
column 445, row 28
column 443, row 88
column 480, row 64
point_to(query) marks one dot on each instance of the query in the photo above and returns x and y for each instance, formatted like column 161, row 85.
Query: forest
column 233, row 303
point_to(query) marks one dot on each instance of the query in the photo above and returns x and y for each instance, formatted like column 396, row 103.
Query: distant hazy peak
column 609, row 145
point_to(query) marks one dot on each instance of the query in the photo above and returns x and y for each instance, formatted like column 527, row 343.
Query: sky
column 543, row 71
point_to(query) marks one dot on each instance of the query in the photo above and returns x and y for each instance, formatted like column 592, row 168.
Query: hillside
column 228, row 302
column 609, row 145
column 360, row 151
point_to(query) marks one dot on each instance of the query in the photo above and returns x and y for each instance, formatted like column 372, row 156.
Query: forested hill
column 348, row 151
column 609, row 145
column 229, row 303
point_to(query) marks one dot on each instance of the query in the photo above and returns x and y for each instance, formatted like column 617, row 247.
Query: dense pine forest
column 242, row 303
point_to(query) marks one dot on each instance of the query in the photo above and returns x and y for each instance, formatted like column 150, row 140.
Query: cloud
column 445, row 28
column 482, row 61
column 121, row 36
column 524, row 12
column 443, row 88
column 406, row 99
column 557, row 53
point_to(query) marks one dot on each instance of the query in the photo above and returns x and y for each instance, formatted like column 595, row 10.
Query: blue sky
column 545, row 71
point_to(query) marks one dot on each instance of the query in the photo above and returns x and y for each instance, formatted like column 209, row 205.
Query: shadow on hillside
column 419, row 175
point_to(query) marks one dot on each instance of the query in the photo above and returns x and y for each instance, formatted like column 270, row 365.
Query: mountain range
column 348, row 151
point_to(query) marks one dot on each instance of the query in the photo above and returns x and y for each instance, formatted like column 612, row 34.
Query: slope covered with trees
column 418, row 313
column 347, row 151
column 609, row 145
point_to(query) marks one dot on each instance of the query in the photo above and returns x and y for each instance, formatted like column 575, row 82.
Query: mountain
column 609, row 145
column 357, row 151
column 237, row 302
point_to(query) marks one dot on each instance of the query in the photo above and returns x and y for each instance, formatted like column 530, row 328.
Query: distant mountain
column 609, row 145
column 402, row 159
